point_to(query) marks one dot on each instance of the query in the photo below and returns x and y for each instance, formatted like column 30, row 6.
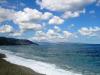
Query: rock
column 2, row 55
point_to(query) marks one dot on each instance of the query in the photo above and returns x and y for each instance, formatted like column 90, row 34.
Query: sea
column 56, row 59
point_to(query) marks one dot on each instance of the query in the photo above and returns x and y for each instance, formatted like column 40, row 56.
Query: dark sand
column 7, row 68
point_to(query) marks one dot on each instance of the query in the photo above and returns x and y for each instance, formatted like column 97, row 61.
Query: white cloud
column 26, row 15
column 56, row 20
column 28, row 19
column 70, row 14
column 89, row 31
column 47, row 15
column 30, row 26
column 22, row 18
column 5, row 14
column 63, row 5
column 39, row 36
column 33, row 13
column 67, row 34
column 6, row 29
column 29, row 14
column 53, row 36
column 70, row 8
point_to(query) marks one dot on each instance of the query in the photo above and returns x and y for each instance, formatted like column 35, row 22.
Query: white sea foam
column 38, row 66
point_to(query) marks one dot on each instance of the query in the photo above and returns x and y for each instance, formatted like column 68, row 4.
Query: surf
column 38, row 66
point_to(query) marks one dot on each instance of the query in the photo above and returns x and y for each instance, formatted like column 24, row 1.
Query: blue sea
column 56, row 59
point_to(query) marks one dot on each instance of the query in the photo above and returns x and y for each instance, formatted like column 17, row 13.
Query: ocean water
column 56, row 59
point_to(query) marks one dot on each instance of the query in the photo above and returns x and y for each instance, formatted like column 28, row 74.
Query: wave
column 38, row 66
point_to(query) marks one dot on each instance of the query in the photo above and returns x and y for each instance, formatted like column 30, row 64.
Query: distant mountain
column 13, row 41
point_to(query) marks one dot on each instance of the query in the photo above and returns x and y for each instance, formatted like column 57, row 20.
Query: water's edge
column 38, row 66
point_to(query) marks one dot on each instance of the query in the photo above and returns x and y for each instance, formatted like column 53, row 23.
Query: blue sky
column 51, row 20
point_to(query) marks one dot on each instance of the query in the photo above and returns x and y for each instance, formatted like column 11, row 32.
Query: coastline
column 7, row 68
column 41, row 68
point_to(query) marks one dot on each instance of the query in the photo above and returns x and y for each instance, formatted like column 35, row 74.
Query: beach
column 7, row 68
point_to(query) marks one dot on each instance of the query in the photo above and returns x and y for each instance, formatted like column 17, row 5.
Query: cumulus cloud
column 22, row 18
column 70, row 14
column 46, row 15
column 70, row 8
column 63, row 5
column 29, row 14
column 30, row 26
column 67, row 34
column 5, row 14
column 56, row 20
column 26, row 19
column 89, row 31
column 6, row 29
column 53, row 35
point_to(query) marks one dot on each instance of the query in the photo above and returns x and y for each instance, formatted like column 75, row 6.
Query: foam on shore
column 38, row 66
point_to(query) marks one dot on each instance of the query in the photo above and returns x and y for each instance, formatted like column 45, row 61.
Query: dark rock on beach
column 2, row 56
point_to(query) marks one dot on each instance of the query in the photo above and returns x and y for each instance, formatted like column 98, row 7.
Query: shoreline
column 41, row 68
column 7, row 68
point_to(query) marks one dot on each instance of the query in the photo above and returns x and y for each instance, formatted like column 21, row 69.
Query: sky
column 51, row 20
